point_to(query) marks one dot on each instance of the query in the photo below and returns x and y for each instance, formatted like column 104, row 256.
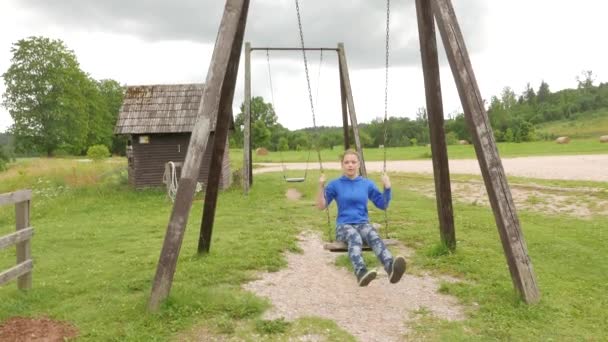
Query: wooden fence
column 21, row 238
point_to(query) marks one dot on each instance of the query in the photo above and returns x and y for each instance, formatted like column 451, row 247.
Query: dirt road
column 580, row 167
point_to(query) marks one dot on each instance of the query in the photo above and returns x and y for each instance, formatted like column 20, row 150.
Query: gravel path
column 580, row 167
column 312, row 285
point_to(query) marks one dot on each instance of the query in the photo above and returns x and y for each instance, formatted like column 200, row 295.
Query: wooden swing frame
column 348, row 109
column 216, row 110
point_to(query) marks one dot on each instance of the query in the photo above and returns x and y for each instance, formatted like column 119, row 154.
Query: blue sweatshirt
column 351, row 195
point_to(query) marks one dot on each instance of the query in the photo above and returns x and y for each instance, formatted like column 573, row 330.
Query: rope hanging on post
column 170, row 179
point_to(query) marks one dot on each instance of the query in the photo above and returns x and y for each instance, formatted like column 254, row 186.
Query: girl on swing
column 351, row 193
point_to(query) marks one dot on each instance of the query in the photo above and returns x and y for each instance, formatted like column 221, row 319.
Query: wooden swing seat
column 339, row 246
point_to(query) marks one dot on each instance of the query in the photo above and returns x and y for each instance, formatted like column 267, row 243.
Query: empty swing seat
column 339, row 246
column 295, row 179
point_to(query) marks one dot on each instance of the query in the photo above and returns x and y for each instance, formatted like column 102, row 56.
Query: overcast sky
column 139, row 42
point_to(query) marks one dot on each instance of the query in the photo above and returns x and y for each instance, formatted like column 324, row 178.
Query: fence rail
column 20, row 238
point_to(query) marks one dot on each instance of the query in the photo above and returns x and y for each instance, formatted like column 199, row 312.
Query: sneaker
column 365, row 277
column 397, row 269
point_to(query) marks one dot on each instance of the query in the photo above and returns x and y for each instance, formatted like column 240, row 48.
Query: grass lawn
column 97, row 243
column 587, row 125
column 506, row 150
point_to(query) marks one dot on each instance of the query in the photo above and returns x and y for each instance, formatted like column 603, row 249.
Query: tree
column 529, row 94
column 260, row 135
column 499, row 116
column 459, row 126
column 44, row 96
column 277, row 132
column 543, row 92
column 299, row 141
column 261, row 112
column 509, row 100
column 283, row 144
column 422, row 116
column 585, row 81
column 508, row 136
column 99, row 124
column 4, row 159
column 330, row 139
column 112, row 93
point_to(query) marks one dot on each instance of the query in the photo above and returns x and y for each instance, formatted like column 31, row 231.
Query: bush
column 98, row 152
column 451, row 138
column 4, row 159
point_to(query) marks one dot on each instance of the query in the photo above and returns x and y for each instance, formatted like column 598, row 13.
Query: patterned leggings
column 354, row 235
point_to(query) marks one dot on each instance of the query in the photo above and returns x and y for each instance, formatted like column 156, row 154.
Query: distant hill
column 582, row 125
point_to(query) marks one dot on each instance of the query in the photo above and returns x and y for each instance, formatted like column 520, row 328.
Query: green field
column 97, row 243
column 590, row 125
column 506, row 150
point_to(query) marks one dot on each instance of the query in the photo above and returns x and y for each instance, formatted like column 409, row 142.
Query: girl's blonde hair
column 351, row 152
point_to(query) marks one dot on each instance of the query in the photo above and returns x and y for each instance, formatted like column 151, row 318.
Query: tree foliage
column 43, row 95
column 112, row 94
column 265, row 131
column 57, row 106
column 54, row 104
column 4, row 158
column 98, row 152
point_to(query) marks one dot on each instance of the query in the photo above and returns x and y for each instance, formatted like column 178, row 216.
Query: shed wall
column 147, row 160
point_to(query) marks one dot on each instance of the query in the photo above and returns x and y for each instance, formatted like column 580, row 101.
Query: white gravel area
column 579, row 167
column 312, row 285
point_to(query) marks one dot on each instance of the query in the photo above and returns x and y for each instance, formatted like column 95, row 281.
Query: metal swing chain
column 274, row 107
column 316, row 103
column 270, row 78
column 319, row 79
column 386, row 68
column 312, row 107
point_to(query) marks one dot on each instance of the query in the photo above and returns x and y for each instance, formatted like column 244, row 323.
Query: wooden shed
column 158, row 120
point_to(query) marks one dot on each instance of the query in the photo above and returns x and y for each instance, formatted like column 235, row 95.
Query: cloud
column 359, row 24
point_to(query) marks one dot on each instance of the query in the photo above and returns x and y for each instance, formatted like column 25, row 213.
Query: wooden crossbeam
column 293, row 49
column 16, row 237
column 16, row 271
column 15, row 197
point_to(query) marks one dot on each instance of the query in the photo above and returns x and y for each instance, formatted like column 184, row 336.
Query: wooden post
column 247, row 124
column 434, row 105
column 490, row 164
column 351, row 105
column 344, row 106
column 24, row 248
column 208, row 109
column 220, row 137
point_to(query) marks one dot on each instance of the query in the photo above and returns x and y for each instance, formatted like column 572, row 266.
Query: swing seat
column 339, row 246
column 295, row 179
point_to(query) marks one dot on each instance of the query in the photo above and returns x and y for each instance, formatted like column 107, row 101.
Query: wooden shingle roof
column 159, row 109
